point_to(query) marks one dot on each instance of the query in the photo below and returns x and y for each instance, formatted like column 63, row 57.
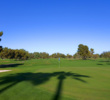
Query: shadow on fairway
column 9, row 65
column 105, row 62
column 99, row 64
column 40, row 78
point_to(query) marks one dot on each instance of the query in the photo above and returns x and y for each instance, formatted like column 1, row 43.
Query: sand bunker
column 4, row 70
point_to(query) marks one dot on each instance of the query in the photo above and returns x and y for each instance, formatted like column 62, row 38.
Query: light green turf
column 43, row 79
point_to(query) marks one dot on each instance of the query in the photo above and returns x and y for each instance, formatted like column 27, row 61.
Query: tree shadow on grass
column 105, row 62
column 9, row 65
column 99, row 64
column 40, row 78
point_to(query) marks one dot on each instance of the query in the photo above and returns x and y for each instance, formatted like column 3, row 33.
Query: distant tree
column 91, row 52
column 54, row 55
column 31, row 56
column 95, row 56
column 21, row 54
column 83, row 51
column 37, row 55
column 69, row 56
column 57, row 55
column 7, row 53
column 106, row 55
column 76, row 56
column 44, row 55
column 4, row 54
column 11, row 54
column 62, row 55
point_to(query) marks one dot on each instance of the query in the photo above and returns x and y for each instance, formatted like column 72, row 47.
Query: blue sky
column 55, row 25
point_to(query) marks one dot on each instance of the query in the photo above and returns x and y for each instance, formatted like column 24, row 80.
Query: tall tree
column 1, row 33
column 83, row 51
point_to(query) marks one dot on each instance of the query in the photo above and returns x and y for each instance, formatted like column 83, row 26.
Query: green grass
column 43, row 79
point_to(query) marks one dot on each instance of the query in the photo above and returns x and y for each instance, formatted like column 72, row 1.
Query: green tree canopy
column 91, row 52
column 14, row 54
column 83, row 51
column 1, row 33
column 106, row 55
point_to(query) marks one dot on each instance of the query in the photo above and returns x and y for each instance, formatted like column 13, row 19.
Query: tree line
column 83, row 52
column 43, row 55
column 21, row 54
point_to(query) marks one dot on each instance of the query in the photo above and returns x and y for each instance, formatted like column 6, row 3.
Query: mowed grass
column 44, row 79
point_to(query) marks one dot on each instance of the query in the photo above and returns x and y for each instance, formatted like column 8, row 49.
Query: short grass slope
column 47, row 79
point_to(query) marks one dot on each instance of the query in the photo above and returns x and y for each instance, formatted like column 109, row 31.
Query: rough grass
column 43, row 79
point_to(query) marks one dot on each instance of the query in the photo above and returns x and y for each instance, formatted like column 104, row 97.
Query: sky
column 55, row 25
